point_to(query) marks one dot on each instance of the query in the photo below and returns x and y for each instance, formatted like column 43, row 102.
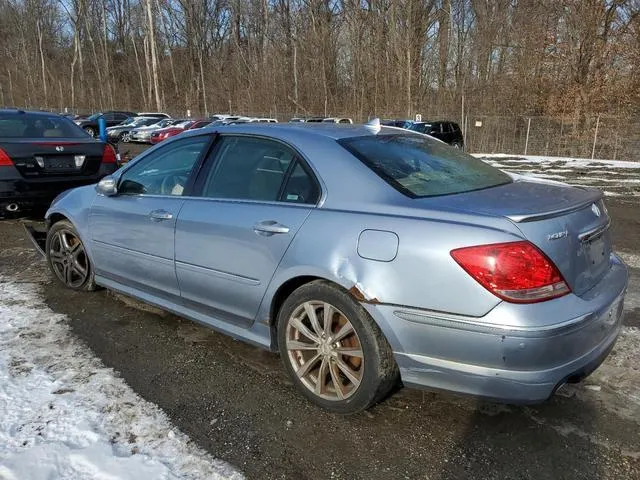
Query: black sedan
column 43, row 154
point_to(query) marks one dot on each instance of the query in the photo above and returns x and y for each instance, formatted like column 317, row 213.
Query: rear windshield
column 419, row 166
column 23, row 125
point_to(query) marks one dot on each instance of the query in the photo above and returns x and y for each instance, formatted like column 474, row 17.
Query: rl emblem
column 59, row 148
column 557, row 235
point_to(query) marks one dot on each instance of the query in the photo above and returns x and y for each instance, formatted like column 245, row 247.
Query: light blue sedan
column 365, row 255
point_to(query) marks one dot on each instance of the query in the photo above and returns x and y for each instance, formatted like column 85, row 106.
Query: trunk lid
column 569, row 224
column 41, row 158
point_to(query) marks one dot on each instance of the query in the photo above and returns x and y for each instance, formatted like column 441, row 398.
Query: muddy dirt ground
column 236, row 402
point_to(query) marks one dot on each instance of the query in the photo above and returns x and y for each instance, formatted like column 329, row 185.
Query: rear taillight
column 109, row 154
column 5, row 161
column 517, row 272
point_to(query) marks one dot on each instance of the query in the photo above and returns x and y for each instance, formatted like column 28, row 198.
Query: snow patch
column 63, row 414
column 570, row 162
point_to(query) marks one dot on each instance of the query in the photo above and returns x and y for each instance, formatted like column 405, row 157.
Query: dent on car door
column 132, row 233
column 255, row 195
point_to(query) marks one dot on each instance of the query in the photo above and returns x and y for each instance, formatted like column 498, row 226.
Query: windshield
column 420, row 166
column 24, row 125
column 95, row 116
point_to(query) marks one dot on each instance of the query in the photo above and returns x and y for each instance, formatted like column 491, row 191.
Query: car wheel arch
column 291, row 285
column 55, row 218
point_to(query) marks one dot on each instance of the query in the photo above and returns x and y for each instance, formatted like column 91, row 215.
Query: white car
column 154, row 114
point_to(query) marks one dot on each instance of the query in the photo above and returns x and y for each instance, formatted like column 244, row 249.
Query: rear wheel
column 90, row 130
column 457, row 145
column 67, row 257
column 125, row 137
column 334, row 352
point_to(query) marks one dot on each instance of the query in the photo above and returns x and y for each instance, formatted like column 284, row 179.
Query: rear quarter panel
column 422, row 274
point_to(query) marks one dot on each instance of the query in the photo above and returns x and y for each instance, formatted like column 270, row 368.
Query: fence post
column 595, row 138
column 465, row 126
column 526, row 142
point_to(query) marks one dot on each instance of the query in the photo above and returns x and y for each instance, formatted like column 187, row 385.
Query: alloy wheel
column 68, row 258
column 325, row 350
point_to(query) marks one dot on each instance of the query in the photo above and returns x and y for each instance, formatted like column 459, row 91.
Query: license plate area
column 60, row 164
column 596, row 250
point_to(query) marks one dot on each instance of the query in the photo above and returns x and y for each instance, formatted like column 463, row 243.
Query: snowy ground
column 614, row 177
column 64, row 415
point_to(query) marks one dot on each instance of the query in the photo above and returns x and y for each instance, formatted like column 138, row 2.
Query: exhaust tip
column 13, row 207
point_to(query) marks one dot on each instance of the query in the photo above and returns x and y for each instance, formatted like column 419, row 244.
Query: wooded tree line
column 572, row 58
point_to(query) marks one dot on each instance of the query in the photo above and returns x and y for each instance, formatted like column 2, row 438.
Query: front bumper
column 515, row 353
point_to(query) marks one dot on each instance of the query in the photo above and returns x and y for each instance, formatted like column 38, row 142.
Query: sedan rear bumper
column 514, row 363
column 40, row 192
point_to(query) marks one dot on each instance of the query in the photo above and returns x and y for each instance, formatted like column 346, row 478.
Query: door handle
column 270, row 227
column 159, row 215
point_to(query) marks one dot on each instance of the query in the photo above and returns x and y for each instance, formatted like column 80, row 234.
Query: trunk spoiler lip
column 532, row 217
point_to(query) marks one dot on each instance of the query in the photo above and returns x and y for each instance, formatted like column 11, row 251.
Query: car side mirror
column 107, row 187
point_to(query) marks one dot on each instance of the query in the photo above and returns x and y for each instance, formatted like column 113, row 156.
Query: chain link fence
column 594, row 137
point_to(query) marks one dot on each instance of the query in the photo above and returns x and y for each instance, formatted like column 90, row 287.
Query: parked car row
column 320, row 120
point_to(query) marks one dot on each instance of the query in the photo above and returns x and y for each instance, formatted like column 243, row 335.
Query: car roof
column 334, row 131
column 15, row 111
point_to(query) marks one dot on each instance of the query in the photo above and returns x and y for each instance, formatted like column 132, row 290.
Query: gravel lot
column 236, row 402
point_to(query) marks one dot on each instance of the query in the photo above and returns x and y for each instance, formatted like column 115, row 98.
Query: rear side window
column 23, row 125
column 419, row 166
column 300, row 187
column 248, row 168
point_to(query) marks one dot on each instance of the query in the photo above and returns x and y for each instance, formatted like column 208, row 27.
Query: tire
column 68, row 259
column 90, row 130
column 371, row 371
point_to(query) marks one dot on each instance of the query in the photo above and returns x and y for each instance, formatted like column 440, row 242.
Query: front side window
column 419, row 166
column 247, row 168
column 165, row 171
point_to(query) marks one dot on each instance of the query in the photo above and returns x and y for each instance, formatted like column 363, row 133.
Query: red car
column 164, row 133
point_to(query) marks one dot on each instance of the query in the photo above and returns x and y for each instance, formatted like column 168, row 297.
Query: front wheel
column 125, row 137
column 332, row 349
column 67, row 257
